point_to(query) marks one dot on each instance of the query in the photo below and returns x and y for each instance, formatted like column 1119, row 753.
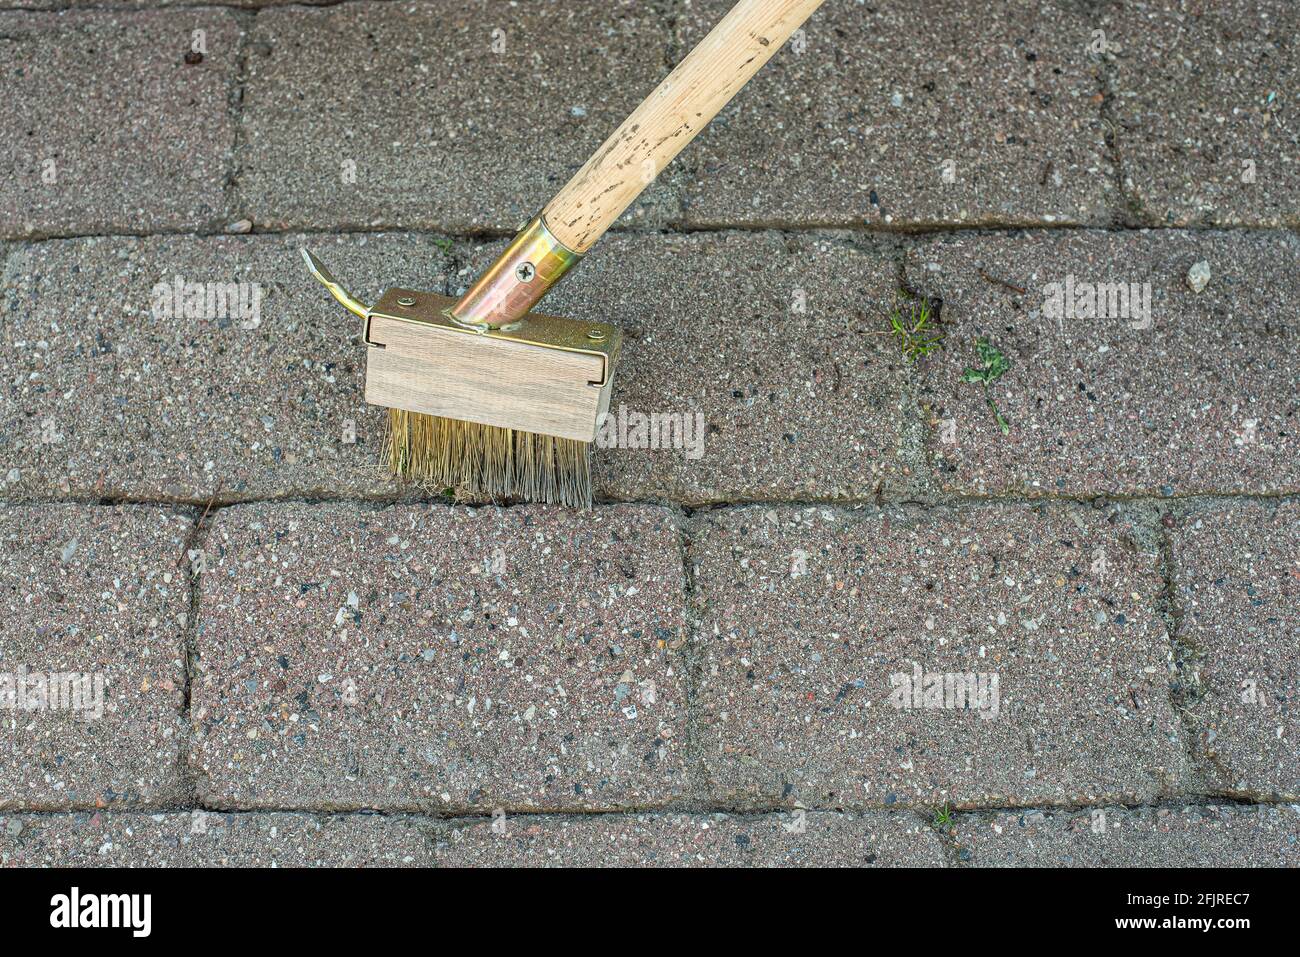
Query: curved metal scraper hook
column 345, row 298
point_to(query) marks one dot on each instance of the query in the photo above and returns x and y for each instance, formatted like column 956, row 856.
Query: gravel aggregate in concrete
column 94, row 605
column 1203, row 99
column 829, row 645
column 797, row 839
column 115, row 386
column 1237, row 571
column 911, row 113
column 1195, row 394
column 460, row 115
column 211, row 839
column 114, row 122
column 441, row 659
column 1195, row 836
column 772, row 342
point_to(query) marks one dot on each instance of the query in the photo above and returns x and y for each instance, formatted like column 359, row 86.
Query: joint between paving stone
column 922, row 484
column 1025, row 836
column 826, row 231
column 1216, row 778
column 235, row 98
column 666, row 10
column 191, row 562
column 923, row 815
column 696, row 769
column 946, row 836
column 687, row 510
column 456, row 261
column 1129, row 213
column 1185, row 677
column 145, row 6
column 687, row 162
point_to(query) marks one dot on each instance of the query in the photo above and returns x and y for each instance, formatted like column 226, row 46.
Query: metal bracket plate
column 600, row 339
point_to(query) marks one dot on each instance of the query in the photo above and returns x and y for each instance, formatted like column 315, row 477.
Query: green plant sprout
column 916, row 336
column 992, row 366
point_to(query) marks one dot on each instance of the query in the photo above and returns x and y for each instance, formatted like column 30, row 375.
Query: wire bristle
column 488, row 460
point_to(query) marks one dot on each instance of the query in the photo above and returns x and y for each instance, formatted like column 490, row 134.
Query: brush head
column 488, row 460
column 498, row 413
column 501, row 412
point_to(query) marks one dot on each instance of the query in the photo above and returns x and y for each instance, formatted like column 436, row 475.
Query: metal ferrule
column 532, row 263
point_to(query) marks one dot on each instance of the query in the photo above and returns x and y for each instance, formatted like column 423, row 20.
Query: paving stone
column 1198, row 394
column 812, row 623
column 112, row 129
column 207, row 839
column 1237, row 571
column 1208, row 836
column 405, row 114
column 92, row 669
column 773, row 340
column 886, row 104
column 441, row 658
column 1199, row 91
column 794, row 404
column 694, row 840
column 102, row 399
column 116, row 5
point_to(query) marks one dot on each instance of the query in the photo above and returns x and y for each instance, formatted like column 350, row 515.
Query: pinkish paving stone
column 459, row 115
column 1203, row 97
column 208, row 839
column 94, row 602
column 1120, row 379
column 114, row 122
column 440, row 658
column 987, row 655
column 249, row 383
column 1194, row 836
column 796, row 839
column 767, row 345
column 910, row 113
column 1237, row 571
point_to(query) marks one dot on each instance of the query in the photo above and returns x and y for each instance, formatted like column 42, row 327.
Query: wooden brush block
column 543, row 374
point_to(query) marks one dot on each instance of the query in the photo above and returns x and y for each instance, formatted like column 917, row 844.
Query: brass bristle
column 488, row 460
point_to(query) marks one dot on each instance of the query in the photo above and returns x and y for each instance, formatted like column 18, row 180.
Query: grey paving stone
column 812, row 623
column 793, row 404
column 1203, row 97
column 207, row 839
column 406, row 114
column 92, row 669
column 110, row 128
column 1237, row 571
column 695, row 840
column 1204, row 836
column 102, row 399
column 1197, row 396
column 861, row 126
column 772, row 339
column 441, row 658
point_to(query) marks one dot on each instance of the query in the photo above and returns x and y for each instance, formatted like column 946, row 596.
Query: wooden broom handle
column 626, row 163
column 670, row 117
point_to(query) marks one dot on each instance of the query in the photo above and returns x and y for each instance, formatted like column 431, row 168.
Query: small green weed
column 915, row 328
column 992, row 366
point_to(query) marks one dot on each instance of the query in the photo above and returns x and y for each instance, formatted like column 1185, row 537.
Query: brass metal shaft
column 533, row 262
